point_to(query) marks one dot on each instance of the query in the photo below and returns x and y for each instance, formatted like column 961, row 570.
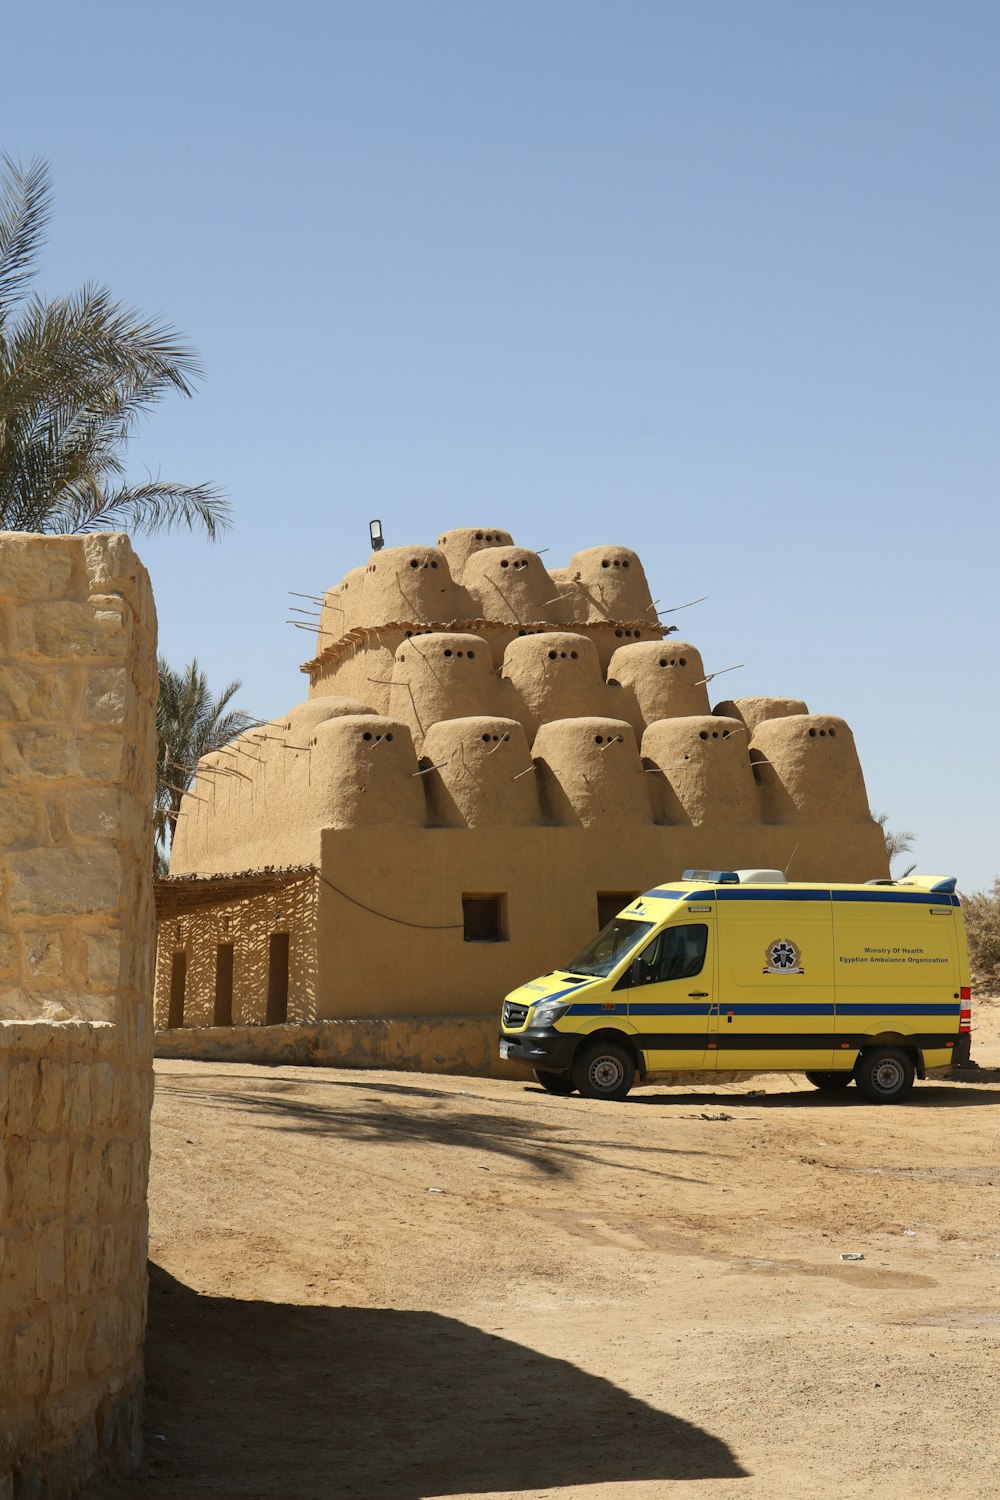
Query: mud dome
column 491, row 751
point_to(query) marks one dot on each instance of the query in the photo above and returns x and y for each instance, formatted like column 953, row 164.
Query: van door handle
column 697, row 994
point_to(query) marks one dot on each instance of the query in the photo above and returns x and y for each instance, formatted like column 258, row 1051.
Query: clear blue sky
column 714, row 279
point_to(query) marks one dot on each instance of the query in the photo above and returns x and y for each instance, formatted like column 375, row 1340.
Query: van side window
column 676, row 953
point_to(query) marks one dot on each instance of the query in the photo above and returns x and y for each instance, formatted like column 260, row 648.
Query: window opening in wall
column 610, row 903
column 223, row 1012
column 485, row 918
column 277, row 979
column 178, row 984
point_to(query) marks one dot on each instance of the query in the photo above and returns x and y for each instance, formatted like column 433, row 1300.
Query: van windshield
column 609, row 947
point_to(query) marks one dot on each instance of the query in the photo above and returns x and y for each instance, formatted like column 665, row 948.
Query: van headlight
column 548, row 1012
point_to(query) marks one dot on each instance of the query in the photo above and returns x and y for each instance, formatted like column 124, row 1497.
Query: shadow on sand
column 374, row 1113
column 257, row 1399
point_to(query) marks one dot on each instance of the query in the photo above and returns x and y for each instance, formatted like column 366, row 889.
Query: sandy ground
column 397, row 1286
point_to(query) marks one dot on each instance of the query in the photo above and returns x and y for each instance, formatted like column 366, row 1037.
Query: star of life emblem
column 783, row 958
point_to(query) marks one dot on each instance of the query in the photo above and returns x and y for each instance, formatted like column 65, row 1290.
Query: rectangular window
column 675, row 953
column 610, row 903
column 277, row 979
column 223, row 1013
column 485, row 918
column 178, row 984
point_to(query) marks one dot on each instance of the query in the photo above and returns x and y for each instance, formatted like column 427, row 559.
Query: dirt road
column 398, row 1287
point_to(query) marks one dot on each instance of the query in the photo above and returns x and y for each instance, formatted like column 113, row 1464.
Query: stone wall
column 77, row 768
column 219, row 966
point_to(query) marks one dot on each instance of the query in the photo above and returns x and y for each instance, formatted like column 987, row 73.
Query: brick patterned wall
column 77, row 769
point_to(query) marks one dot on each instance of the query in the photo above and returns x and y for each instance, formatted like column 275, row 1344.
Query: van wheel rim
column 888, row 1075
column 606, row 1073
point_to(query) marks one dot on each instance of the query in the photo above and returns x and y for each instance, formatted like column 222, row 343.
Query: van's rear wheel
column 884, row 1074
column 830, row 1080
column 554, row 1083
column 604, row 1070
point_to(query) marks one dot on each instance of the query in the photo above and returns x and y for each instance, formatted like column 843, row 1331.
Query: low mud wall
column 415, row 1044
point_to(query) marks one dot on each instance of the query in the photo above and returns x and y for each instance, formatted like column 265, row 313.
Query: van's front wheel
column 830, row 1080
column 884, row 1075
column 604, row 1070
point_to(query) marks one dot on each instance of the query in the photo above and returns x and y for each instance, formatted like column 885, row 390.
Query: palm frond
column 191, row 721
column 25, row 211
column 77, row 373
column 158, row 505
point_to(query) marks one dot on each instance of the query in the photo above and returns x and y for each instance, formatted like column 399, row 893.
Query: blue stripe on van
column 907, row 1008
column 778, row 1008
column 572, row 989
column 901, row 898
column 758, row 893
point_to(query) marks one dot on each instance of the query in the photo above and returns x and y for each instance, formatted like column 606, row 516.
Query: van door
column 671, row 990
column 776, row 998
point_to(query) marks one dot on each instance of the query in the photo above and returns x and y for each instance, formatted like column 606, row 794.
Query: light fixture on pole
column 375, row 532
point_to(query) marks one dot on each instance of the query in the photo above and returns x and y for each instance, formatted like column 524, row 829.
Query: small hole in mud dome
column 367, row 735
column 703, row 735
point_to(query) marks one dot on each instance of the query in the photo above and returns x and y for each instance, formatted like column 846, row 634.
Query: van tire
column 554, row 1083
column 884, row 1074
column 830, row 1080
column 604, row 1070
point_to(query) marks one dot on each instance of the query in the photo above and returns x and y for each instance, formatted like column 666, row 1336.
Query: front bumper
column 542, row 1047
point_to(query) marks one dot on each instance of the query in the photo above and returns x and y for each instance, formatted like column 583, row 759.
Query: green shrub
column 982, row 923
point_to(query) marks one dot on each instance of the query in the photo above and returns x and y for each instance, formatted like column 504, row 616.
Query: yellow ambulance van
column 742, row 970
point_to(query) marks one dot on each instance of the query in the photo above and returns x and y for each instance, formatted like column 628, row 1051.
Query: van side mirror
column 639, row 972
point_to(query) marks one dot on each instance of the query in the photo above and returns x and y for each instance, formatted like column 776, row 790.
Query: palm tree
column 190, row 723
column 896, row 843
column 76, row 375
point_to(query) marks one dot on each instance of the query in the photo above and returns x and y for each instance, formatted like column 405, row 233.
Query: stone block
column 52, row 881
column 41, row 691
column 31, row 567
column 93, row 812
column 10, row 954
column 103, row 958
column 102, row 756
column 106, row 1238
column 105, row 697
column 112, row 622
column 84, row 1182
column 104, row 1080
column 114, row 1179
column 43, row 952
column 50, row 1262
column 81, row 1260
column 110, row 561
column 48, row 1111
column 32, row 1355
column 77, row 1097
column 21, row 1085
column 17, row 818
column 41, row 1183
column 65, row 630
column 102, row 1344
column 30, row 753
column 64, row 1326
